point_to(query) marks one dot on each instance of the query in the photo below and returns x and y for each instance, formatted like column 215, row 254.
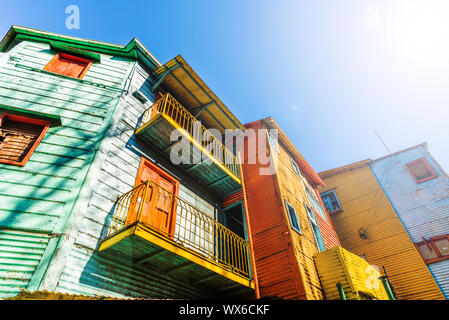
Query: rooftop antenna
column 389, row 151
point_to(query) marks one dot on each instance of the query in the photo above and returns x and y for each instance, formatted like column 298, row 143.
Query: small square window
column 331, row 202
column 19, row 137
column 68, row 65
column 293, row 217
column 434, row 249
column 443, row 246
column 421, row 170
column 427, row 251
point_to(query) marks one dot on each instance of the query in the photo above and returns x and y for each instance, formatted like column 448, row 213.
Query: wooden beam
column 218, row 181
column 202, row 108
column 231, row 286
column 162, row 78
column 208, row 95
column 180, row 266
column 148, row 256
column 207, row 278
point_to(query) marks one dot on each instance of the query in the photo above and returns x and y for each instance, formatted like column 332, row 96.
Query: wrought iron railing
column 176, row 219
column 172, row 108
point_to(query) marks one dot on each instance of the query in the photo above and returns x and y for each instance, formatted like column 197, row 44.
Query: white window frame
column 287, row 206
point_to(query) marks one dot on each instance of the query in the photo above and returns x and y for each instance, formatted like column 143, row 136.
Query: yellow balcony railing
column 179, row 221
column 172, row 108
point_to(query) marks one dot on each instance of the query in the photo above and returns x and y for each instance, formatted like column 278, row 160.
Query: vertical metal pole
column 387, row 287
column 341, row 291
column 143, row 201
column 248, row 228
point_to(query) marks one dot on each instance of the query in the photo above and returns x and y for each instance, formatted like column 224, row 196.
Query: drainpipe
column 248, row 228
column 387, row 287
column 341, row 291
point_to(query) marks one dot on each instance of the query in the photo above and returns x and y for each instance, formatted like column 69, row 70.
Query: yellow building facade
column 368, row 226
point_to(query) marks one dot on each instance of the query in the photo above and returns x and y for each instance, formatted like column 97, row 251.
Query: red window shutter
column 19, row 136
column 68, row 65
column 421, row 170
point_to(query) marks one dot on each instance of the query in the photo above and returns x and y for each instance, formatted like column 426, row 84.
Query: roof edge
column 129, row 50
column 352, row 166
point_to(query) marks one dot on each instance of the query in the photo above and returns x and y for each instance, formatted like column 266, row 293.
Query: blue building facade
column 418, row 188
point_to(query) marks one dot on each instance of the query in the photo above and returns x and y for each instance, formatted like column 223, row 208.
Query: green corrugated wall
column 36, row 200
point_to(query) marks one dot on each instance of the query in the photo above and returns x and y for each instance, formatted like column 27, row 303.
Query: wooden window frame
column 431, row 243
column 55, row 59
column 145, row 162
column 274, row 143
column 287, row 206
column 311, row 213
column 295, row 167
column 45, row 125
column 338, row 201
column 428, row 166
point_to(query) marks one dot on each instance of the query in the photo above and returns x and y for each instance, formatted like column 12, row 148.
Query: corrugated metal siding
column 365, row 206
column 293, row 190
column 424, row 207
column 40, row 195
column 277, row 269
column 328, row 233
column 232, row 199
column 338, row 265
column 20, row 252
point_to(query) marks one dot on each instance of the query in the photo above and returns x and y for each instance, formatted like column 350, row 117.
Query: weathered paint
column 284, row 258
column 20, row 253
column 365, row 206
column 38, row 198
column 79, row 267
column 356, row 277
column 423, row 208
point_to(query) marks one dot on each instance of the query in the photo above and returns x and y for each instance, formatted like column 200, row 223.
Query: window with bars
column 421, row 170
column 331, row 202
column 68, row 65
column 19, row 137
column 434, row 249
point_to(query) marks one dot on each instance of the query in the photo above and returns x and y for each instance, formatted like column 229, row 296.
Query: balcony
column 155, row 228
column 347, row 276
column 219, row 169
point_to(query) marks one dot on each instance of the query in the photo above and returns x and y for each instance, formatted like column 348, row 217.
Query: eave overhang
column 186, row 86
column 133, row 50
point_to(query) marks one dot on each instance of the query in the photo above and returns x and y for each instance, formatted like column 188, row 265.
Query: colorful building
column 369, row 225
column 118, row 180
column 418, row 189
column 288, row 223
column 90, row 202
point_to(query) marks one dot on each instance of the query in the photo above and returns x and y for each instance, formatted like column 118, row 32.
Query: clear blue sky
column 329, row 72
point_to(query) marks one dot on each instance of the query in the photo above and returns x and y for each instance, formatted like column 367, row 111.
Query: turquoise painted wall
column 36, row 200
column 55, row 211
column 80, row 267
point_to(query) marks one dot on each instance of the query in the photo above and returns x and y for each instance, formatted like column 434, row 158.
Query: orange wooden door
column 159, row 205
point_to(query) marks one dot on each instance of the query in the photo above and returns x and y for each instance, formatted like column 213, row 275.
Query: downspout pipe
column 387, row 287
column 248, row 228
column 341, row 291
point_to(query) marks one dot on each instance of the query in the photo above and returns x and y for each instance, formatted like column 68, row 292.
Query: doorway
column 158, row 209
